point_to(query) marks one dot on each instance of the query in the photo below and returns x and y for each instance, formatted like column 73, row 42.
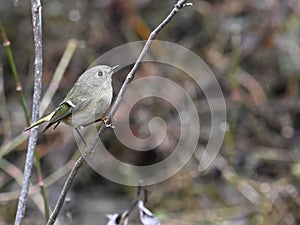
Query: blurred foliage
column 252, row 46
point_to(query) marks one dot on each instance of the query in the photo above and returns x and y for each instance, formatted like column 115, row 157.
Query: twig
column 38, row 63
column 64, row 191
column 179, row 5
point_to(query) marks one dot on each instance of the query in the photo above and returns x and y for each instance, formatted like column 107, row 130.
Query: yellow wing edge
column 42, row 120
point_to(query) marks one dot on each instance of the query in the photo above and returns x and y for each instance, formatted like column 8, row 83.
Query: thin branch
column 65, row 190
column 178, row 6
column 38, row 63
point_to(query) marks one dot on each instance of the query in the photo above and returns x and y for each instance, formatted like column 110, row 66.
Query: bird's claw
column 106, row 123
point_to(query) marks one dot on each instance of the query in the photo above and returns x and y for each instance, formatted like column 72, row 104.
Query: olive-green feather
column 63, row 110
column 42, row 120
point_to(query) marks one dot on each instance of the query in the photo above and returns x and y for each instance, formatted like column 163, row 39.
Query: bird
column 86, row 102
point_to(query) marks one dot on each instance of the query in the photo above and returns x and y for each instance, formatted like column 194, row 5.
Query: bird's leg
column 78, row 132
column 104, row 120
column 106, row 123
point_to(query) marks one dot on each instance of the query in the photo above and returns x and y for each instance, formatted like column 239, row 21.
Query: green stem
column 41, row 184
column 19, row 89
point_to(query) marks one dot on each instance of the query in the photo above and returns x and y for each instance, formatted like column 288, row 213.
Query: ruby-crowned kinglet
column 86, row 102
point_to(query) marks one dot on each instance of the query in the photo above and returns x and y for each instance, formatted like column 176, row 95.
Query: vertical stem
column 4, row 114
column 38, row 63
column 41, row 184
column 19, row 89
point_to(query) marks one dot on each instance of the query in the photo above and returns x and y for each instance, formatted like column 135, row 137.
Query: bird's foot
column 106, row 123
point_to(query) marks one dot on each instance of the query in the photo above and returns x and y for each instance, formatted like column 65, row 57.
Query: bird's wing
column 66, row 108
column 79, row 103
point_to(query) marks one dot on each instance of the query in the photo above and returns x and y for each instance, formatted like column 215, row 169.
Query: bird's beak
column 113, row 69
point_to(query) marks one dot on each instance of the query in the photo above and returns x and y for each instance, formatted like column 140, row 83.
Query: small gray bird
column 86, row 102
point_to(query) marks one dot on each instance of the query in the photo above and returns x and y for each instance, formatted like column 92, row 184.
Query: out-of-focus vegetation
column 253, row 49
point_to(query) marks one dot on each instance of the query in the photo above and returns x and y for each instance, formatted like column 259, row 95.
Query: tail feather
column 42, row 120
column 50, row 124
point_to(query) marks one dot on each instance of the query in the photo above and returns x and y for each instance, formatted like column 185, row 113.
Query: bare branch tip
column 181, row 4
column 189, row 4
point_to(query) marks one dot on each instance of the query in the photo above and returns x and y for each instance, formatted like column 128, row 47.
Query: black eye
column 100, row 73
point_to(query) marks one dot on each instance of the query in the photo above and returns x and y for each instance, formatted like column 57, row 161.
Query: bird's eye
column 100, row 73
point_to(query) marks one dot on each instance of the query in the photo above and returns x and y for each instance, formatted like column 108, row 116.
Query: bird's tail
column 42, row 120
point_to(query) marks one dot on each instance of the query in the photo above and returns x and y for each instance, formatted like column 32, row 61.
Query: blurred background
column 252, row 46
